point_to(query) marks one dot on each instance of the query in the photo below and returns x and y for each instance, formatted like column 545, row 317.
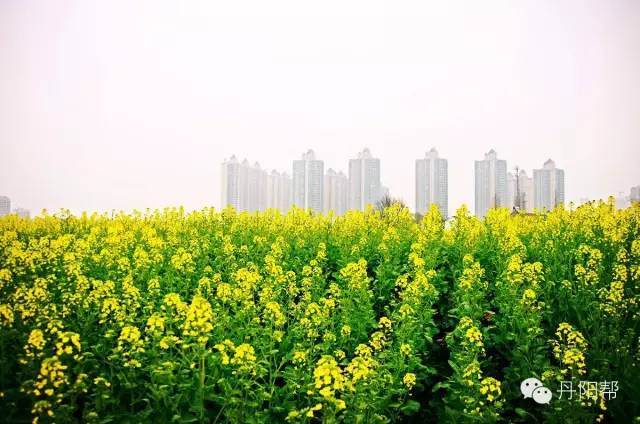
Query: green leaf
column 440, row 385
column 410, row 407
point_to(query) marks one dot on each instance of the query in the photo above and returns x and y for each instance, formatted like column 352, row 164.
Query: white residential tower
column 244, row 187
column 308, row 181
column 491, row 183
column 5, row 205
column 335, row 192
column 548, row 186
column 364, row 180
column 279, row 191
column 432, row 183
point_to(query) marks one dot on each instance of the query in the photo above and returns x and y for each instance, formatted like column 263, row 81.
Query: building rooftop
column 433, row 153
column 364, row 154
column 491, row 154
column 309, row 155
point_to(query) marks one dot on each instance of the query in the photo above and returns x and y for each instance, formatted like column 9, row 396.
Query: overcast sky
column 134, row 104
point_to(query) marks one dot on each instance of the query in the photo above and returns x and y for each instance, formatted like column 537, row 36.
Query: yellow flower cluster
column 588, row 270
column 48, row 386
column 529, row 298
column 409, row 380
column 247, row 279
column 111, row 311
column 328, row 377
column 378, row 340
column 174, row 303
column 360, row 369
column 634, row 269
column 514, row 271
column 472, row 274
column 168, row 342
column 299, row 357
column 385, row 324
column 183, row 261
column 613, row 301
column 28, row 300
column 474, row 336
column 68, row 343
column 472, row 373
column 224, row 292
column 356, row 274
column 6, row 315
column 490, row 387
column 242, row 356
column 35, row 344
column 225, row 348
column 155, row 324
column 153, row 286
column 273, row 314
column 405, row 349
column 569, row 348
column 198, row 321
column 130, row 345
column 315, row 315
column 52, row 374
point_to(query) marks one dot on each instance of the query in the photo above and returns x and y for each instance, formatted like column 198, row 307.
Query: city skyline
column 249, row 188
column 256, row 189
column 494, row 185
column 106, row 106
column 5, row 208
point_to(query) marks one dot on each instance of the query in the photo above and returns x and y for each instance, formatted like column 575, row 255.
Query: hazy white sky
column 134, row 104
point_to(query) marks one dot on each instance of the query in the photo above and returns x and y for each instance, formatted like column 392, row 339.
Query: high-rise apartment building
column 520, row 191
column 491, row 183
column 364, row 180
column 257, row 188
column 432, row 183
column 279, row 191
column 548, row 186
column 335, row 192
column 244, row 187
column 5, row 205
column 231, row 184
column 308, row 182
column 634, row 195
